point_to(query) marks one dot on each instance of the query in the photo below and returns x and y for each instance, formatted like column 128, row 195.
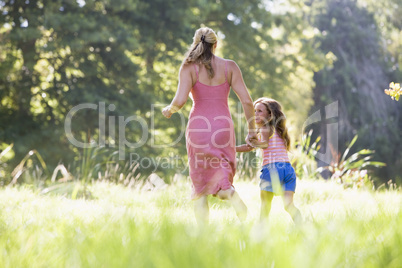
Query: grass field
column 121, row 227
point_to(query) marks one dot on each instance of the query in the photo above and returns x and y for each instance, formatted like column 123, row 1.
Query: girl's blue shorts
column 278, row 177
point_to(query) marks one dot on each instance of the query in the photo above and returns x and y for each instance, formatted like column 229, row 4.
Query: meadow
column 122, row 227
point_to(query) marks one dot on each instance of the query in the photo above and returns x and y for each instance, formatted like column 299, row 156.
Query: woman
column 210, row 138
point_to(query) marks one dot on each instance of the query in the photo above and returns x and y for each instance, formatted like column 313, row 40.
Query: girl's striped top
column 276, row 151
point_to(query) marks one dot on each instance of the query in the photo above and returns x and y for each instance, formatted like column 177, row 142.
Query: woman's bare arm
column 183, row 90
column 239, row 87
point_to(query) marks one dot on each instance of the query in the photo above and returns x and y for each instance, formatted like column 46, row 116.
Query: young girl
column 277, row 175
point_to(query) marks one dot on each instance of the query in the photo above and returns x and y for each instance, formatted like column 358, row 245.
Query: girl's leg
column 266, row 202
column 234, row 199
column 201, row 210
column 290, row 207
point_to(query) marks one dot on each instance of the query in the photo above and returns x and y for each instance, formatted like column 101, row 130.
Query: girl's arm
column 183, row 90
column 244, row 148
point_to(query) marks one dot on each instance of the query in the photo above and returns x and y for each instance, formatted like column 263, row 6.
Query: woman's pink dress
column 210, row 139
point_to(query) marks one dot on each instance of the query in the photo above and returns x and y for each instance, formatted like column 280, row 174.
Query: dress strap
column 195, row 68
column 226, row 71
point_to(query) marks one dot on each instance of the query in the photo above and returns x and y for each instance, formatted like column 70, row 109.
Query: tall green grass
column 121, row 227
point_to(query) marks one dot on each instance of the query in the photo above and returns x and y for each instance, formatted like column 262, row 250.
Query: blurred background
column 55, row 55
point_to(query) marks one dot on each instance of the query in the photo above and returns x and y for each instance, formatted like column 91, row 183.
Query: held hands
column 251, row 138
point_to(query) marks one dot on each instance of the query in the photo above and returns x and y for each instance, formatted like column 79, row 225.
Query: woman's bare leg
column 291, row 208
column 266, row 203
column 201, row 210
column 234, row 199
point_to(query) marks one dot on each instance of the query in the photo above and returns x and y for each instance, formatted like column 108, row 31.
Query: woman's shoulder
column 187, row 68
column 229, row 62
column 231, row 65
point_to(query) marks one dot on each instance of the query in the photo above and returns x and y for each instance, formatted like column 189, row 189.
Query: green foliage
column 362, row 40
column 28, row 163
column 93, row 164
column 89, row 163
column 3, row 164
column 304, row 157
column 273, row 45
column 31, row 169
column 350, row 170
column 58, row 54
column 248, row 165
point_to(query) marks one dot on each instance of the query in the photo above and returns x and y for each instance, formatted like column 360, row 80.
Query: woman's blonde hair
column 277, row 119
column 201, row 51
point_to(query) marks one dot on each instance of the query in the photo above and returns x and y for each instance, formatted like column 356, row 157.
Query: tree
column 357, row 79
column 59, row 54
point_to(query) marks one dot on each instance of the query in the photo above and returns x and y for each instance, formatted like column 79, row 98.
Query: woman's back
column 219, row 66
column 213, row 92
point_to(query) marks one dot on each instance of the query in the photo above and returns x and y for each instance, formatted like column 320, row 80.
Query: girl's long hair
column 278, row 118
column 201, row 51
